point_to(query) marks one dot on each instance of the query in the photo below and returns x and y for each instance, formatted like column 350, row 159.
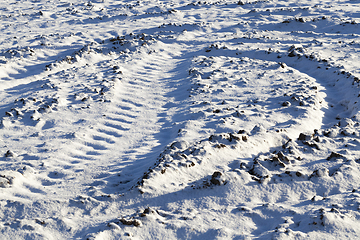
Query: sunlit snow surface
column 179, row 119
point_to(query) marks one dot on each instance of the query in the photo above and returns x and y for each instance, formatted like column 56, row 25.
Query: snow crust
column 179, row 119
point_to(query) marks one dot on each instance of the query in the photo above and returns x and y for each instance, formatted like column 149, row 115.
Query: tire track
column 129, row 130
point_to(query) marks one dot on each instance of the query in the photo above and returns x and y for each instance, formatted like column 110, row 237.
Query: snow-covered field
column 180, row 119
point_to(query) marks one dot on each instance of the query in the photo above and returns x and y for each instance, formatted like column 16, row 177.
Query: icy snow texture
column 179, row 119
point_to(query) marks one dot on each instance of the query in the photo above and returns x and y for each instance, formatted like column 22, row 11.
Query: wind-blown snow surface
column 179, row 119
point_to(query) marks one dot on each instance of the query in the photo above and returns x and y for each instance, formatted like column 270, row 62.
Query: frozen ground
column 179, row 119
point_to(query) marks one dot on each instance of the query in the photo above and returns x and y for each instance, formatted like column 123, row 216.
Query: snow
column 179, row 119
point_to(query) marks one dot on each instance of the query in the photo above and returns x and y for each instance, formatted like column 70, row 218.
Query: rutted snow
column 179, row 119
